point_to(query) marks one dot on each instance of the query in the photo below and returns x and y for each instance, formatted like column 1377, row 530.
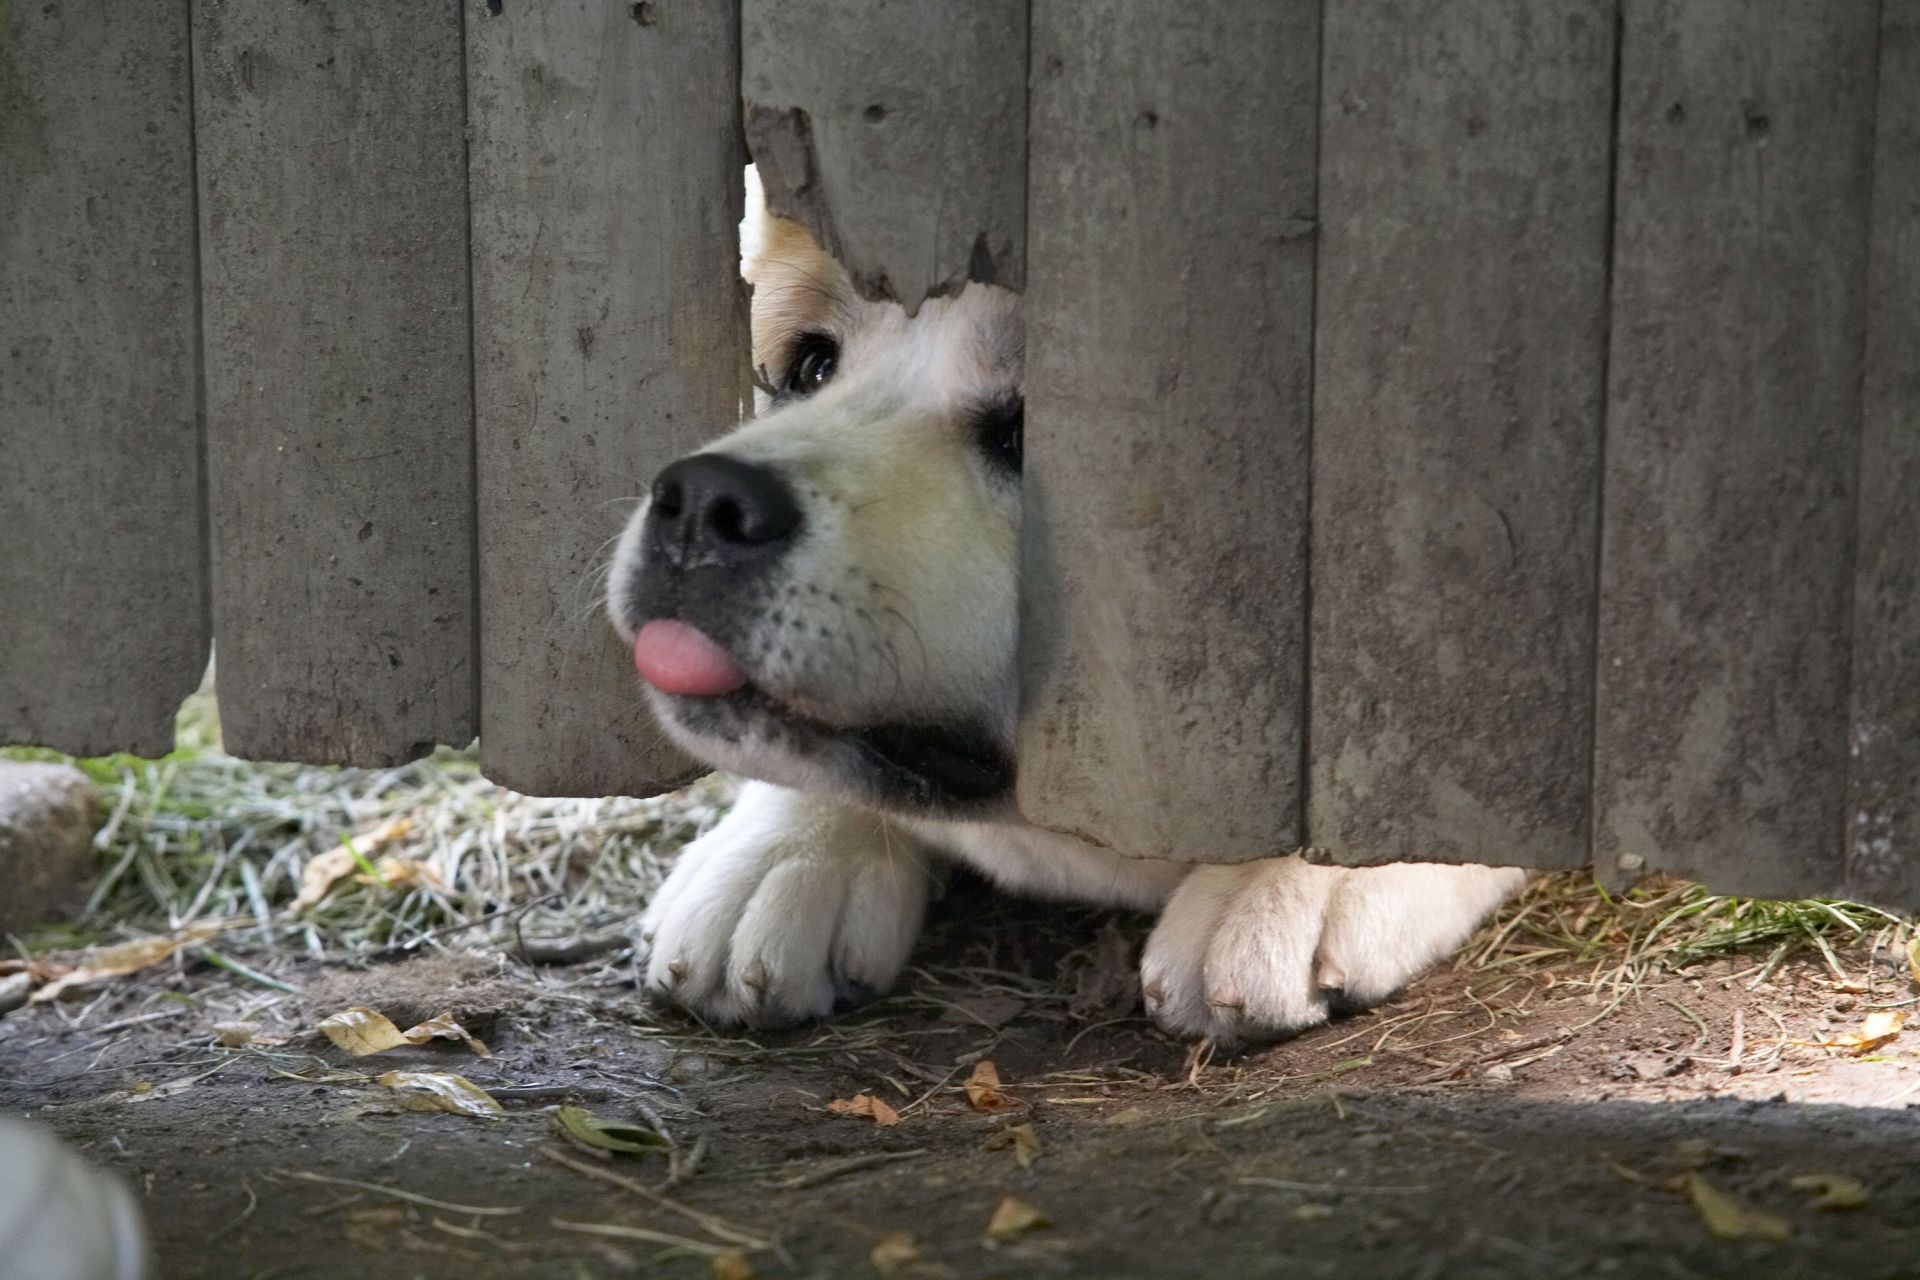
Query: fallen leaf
column 99, row 963
column 405, row 873
column 865, row 1104
column 601, row 1134
column 1879, row 1027
column 730, row 1266
column 894, row 1252
column 1311, row 1211
column 1728, row 1219
column 1831, row 1191
column 321, row 873
column 238, row 1035
column 1128, row 1116
column 1024, row 1141
column 992, row 1010
column 1110, row 986
column 362, row 1031
column 1015, row 1217
column 984, row 1092
column 442, row 1091
column 1913, row 956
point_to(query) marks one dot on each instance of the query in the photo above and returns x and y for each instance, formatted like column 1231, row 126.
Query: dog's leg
column 791, row 905
column 1261, row 949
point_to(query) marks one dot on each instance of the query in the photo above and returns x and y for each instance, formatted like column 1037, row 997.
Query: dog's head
column 826, row 598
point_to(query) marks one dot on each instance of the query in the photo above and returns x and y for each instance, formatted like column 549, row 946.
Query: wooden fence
column 1480, row 430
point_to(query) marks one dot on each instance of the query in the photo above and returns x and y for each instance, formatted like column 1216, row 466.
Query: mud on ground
column 1489, row 1122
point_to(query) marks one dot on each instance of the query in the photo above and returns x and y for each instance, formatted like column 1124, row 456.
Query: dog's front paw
column 1261, row 949
column 786, row 909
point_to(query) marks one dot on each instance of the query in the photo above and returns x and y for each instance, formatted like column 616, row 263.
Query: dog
column 824, row 602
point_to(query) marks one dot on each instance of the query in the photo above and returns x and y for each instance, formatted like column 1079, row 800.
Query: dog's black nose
column 710, row 509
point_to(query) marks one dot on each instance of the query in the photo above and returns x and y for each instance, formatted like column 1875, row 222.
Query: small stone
column 47, row 820
column 14, row 989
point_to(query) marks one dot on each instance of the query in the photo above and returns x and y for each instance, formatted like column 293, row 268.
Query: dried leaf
column 865, row 1104
column 321, row 873
column 98, row 963
column 1015, row 1217
column 1024, row 1141
column 608, row 1135
column 894, row 1252
column 442, row 1091
column 984, row 1092
column 1728, row 1219
column 362, row 1031
column 1879, row 1027
column 1129, row 1116
column 1913, row 956
column 730, row 1266
column 1831, row 1191
column 405, row 873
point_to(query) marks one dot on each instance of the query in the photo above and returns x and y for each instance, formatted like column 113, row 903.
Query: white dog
column 824, row 600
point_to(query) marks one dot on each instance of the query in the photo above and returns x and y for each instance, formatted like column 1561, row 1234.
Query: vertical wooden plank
column 609, row 337
column 1459, row 367
column 338, row 370
column 1883, row 805
column 1733, row 440
column 896, row 132
column 103, row 626
column 1169, row 351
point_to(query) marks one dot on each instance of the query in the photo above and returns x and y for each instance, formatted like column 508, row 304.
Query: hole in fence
column 642, row 12
column 494, row 7
column 876, row 113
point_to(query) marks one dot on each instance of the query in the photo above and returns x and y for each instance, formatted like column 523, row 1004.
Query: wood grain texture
column 895, row 130
column 1170, row 336
column 338, row 375
column 1883, row 805
column 1746, row 137
column 609, row 338
column 103, row 624
column 1459, row 369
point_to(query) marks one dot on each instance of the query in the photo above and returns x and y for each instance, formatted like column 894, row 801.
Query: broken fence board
column 103, row 624
column 1883, row 806
column 1172, row 203
column 1745, row 155
column 609, row 337
column 339, row 414
column 1459, row 367
column 897, row 133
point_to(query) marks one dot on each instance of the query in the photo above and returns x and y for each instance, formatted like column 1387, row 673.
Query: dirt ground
column 1489, row 1122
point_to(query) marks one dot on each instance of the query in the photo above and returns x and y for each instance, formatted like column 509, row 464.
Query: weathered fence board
column 338, row 375
column 1733, row 440
column 103, row 625
column 1171, row 219
column 1883, row 804
column 1458, row 371
column 896, row 132
column 608, row 339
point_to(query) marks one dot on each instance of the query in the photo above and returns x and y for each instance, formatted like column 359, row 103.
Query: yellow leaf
column 99, row 963
column 321, row 873
column 362, row 1031
column 894, row 1253
column 608, row 1135
column 730, row 1266
column 1831, row 1190
column 1728, row 1219
column 865, row 1104
column 442, row 1091
column 984, row 1093
column 1014, row 1217
column 1122, row 1119
column 1024, row 1141
column 1879, row 1027
column 1913, row 956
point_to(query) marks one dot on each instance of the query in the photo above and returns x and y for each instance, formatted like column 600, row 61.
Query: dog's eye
column 815, row 358
column 998, row 431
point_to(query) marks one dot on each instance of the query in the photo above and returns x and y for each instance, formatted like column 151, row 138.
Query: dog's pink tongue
column 676, row 658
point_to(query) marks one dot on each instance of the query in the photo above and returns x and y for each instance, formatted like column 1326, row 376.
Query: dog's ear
column 765, row 238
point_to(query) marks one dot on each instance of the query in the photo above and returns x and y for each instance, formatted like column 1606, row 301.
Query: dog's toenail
column 1331, row 977
column 755, row 977
column 1155, row 993
column 677, row 971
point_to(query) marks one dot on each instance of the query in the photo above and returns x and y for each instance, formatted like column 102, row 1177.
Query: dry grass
column 199, row 836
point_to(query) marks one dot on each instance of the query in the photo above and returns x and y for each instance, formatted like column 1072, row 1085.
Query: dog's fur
column 880, row 715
